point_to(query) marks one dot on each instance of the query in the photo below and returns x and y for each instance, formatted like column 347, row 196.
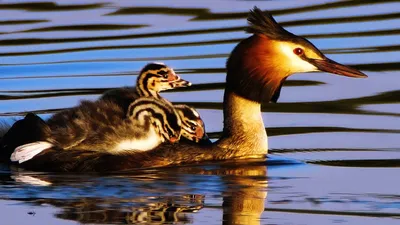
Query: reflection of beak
column 330, row 66
column 181, row 83
column 205, row 139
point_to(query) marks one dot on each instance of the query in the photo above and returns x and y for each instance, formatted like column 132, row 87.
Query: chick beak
column 173, row 140
column 176, row 81
column 181, row 83
column 330, row 66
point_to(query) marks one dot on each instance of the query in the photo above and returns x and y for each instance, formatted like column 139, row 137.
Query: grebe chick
column 193, row 127
column 152, row 79
column 102, row 126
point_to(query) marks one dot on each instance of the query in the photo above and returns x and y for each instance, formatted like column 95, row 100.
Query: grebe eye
column 193, row 128
column 298, row 51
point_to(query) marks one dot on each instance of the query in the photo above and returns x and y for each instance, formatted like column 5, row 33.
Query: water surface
column 335, row 141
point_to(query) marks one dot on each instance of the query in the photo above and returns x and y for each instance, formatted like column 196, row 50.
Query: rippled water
column 335, row 141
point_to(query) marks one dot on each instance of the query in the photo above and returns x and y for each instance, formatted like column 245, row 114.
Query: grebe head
column 192, row 125
column 259, row 65
column 161, row 116
column 156, row 77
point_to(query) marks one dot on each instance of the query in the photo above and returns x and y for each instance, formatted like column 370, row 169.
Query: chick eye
column 193, row 128
column 298, row 51
column 163, row 73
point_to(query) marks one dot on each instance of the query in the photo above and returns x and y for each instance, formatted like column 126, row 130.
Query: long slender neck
column 253, row 76
column 244, row 132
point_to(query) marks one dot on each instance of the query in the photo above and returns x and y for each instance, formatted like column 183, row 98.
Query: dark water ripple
column 361, row 163
column 100, row 27
column 48, row 6
column 15, row 22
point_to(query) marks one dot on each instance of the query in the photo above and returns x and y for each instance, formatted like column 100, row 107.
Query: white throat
column 243, row 126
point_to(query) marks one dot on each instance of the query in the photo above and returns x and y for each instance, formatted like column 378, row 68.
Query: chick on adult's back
column 152, row 79
column 103, row 126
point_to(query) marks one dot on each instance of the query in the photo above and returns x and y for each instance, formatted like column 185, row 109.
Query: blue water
column 335, row 149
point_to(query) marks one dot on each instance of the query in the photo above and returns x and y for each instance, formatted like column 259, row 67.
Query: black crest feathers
column 263, row 23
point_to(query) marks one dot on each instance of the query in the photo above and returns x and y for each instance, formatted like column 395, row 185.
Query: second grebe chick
column 100, row 126
column 193, row 127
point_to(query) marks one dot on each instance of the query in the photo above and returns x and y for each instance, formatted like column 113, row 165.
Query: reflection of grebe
column 256, row 70
column 243, row 191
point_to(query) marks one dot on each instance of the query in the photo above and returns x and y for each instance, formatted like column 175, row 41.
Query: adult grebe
column 256, row 70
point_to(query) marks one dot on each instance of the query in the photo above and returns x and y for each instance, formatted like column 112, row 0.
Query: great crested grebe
column 101, row 126
column 256, row 70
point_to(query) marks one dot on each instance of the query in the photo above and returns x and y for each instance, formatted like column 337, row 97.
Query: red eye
column 298, row 51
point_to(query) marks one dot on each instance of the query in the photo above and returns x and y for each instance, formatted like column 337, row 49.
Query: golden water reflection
column 243, row 194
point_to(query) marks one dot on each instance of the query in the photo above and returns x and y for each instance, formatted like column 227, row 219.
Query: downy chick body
column 104, row 126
